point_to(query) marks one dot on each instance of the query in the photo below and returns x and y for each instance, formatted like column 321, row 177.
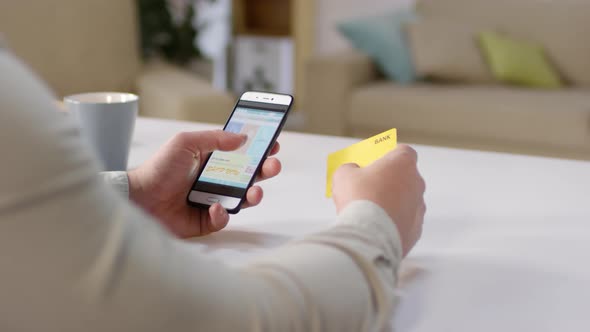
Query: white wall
column 214, row 36
column 330, row 12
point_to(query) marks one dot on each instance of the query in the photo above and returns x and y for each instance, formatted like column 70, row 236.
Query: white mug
column 107, row 121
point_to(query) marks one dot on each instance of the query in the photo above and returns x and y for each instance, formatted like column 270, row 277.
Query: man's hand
column 393, row 183
column 160, row 186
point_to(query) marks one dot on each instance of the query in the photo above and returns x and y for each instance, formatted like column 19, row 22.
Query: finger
column 407, row 151
column 211, row 140
column 275, row 149
column 270, row 168
column 403, row 153
column 218, row 218
column 419, row 224
column 421, row 184
column 253, row 197
column 345, row 169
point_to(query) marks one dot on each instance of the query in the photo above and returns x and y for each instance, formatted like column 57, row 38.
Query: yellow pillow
column 518, row 62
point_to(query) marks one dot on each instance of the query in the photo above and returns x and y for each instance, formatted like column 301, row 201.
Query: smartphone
column 226, row 176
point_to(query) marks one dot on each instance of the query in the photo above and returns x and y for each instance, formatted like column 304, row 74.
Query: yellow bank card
column 362, row 153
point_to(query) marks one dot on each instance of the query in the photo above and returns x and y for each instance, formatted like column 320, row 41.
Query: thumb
column 345, row 169
column 208, row 141
column 349, row 166
column 403, row 153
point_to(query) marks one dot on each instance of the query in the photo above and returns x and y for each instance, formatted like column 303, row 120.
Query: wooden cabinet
column 263, row 17
column 279, row 18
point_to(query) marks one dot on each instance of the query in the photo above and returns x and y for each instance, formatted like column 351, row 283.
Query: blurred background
column 502, row 75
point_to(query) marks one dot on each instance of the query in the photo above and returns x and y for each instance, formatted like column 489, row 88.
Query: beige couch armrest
column 330, row 81
column 170, row 92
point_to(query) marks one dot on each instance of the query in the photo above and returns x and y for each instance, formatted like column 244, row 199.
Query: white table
column 506, row 243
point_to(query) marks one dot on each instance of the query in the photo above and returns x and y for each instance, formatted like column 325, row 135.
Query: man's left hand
column 160, row 186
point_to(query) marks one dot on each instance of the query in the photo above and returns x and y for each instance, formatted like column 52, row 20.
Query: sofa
column 347, row 95
column 92, row 45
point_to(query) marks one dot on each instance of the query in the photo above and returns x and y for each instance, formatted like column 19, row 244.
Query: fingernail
column 244, row 139
column 221, row 211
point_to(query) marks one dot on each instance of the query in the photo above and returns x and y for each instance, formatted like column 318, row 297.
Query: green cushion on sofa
column 518, row 62
column 382, row 39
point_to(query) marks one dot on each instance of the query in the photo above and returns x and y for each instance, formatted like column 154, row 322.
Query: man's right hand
column 392, row 182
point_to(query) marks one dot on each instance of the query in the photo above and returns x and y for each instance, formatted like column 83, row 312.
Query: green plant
column 160, row 36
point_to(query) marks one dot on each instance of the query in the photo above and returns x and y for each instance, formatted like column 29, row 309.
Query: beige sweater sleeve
column 77, row 256
column 118, row 181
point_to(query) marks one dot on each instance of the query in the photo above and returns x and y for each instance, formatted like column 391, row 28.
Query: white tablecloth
column 506, row 242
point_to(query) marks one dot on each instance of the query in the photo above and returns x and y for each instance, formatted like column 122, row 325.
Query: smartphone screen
column 231, row 173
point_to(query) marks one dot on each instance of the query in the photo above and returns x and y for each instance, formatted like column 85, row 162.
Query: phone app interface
column 236, row 168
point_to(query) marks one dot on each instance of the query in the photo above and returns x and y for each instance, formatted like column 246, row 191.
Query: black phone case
column 268, row 149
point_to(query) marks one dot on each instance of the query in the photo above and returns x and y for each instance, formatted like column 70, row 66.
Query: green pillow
column 518, row 62
column 383, row 40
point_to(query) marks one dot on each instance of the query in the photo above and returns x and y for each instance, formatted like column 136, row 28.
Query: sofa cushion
column 446, row 50
column 559, row 118
column 518, row 62
column 167, row 91
column 383, row 39
column 560, row 26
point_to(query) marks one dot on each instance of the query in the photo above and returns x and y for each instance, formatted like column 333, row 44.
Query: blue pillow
column 382, row 38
